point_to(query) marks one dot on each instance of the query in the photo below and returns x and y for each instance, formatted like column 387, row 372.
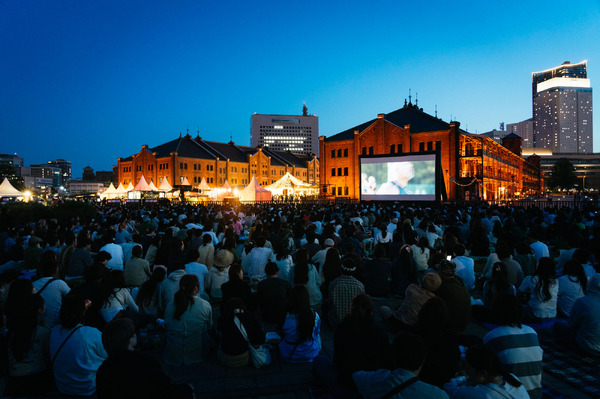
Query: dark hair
column 299, row 305
column 94, row 272
column 136, row 251
column 423, row 244
column 116, row 336
column 18, row 291
column 361, row 312
column 48, row 264
column 103, row 256
column 379, row 252
column 271, row 268
column 507, row 309
column 146, row 292
column 113, row 280
column 409, row 350
column 502, row 250
column 483, row 358
column 459, row 249
column 21, row 334
column 184, row 298
column 192, row 255
column 546, row 273
column 207, row 239
column 234, row 272
column 433, row 317
column 301, row 267
column 261, row 241
column 500, row 277
column 72, row 311
column 573, row 268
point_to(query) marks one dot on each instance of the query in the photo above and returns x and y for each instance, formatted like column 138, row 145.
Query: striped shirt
column 520, row 353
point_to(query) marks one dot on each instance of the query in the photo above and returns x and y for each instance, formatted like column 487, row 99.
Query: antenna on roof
column 416, row 98
column 436, row 110
column 198, row 131
column 409, row 97
column 188, row 130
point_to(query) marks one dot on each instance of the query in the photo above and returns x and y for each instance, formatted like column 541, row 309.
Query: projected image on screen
column 407, row 178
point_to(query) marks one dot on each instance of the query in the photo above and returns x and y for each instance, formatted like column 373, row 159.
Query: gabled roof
column 512, row 136
column 184, row 146
column 288, row 158
column 231, row 151
column 418, row 120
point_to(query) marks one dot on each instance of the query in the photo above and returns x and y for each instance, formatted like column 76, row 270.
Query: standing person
column 542, row 289
column 76, row 350
column 516, row 344
column 301, row 330
column 187, row 322
column 137, row 269
column 341, row 292
column 130, row 373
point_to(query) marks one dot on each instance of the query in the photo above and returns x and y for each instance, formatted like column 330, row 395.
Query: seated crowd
column 74, row 296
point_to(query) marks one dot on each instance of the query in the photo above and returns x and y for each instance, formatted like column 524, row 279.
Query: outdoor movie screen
column 398, row 178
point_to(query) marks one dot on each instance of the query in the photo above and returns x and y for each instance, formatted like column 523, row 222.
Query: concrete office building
column 523, row 129
column 562, row 109
column 295, row 133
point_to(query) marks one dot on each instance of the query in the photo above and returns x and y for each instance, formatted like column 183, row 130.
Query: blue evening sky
column 91, row 81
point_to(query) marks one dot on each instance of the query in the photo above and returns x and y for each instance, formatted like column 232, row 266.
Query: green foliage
column 28, row 212
column 563, row 175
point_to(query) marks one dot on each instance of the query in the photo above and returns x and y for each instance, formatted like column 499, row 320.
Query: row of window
column 339, row 172
column 339, row 153
column 339, row 190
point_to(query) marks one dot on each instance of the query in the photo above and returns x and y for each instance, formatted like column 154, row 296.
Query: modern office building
column 562, row 109
column 295, row 133
column 65, row 167
column 13, row 161
column 44, row 171
column 523, row 129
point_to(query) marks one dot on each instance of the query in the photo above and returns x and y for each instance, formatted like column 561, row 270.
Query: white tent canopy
column 129, row 187
column 185, row 181
column 164, row 185
column 152, row 187
column 110, row 190
column 121, row 190
column 290, row 185
column 7, row 190
column 254, row 192
column 204, row 185
column 142, row 185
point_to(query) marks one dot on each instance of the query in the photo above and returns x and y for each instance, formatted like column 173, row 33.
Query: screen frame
column 408, row 198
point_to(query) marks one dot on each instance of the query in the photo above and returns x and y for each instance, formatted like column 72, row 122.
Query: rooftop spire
column 304, row 109
column 409, row 98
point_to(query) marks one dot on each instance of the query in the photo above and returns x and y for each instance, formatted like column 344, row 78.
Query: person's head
column 500, row 276
column 235, row 272
column 189, row 286
column 118, row 337
column 136, row 251
column 459, row 250
column 502, row 250
column 223, row 259
column 94, row 273
column 431, row 282
column 22, row 327
column 72, row 311
column 271, row 269
column 83, row 241
column 409, row 351
column 572, row 269
column 507, row 310
column 193, row 255
column 103, row 257
column 447, row 269
column 207, row 239
column 348, row 267
column 379, row 252
column 299, row 304
column 261, row 241
column 400, row 172
column 48, row 264
column 361, row 311
column 483, row 366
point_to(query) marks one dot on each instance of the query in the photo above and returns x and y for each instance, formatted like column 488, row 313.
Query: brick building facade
column 473, row 166
column 194, row 159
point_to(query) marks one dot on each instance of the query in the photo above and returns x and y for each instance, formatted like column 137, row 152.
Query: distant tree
column 563, row 175
column 9, row 172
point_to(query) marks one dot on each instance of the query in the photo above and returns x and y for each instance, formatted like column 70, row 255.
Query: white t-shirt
column 568, row 292
column 541, row 309
column 200, row 271
column 116, row 251
column 540, row 249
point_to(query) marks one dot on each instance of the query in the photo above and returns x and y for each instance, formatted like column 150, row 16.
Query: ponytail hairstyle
column 301, row 268
column 423, row 244
column 500, row 277
column 184, row 298
column 361, row 312
column 574, row 269
column 484, row 359
column 546, row 274
column 22, row 331
column 144, row 296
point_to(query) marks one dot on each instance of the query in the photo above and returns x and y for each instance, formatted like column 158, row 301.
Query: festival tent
column 152, row 187
column 204, row 186
column 142, row 185
column 185, row 182
column 254, row 192
column 129, row 187
column 110, row 192
column 164, row 185
column 7, row 190
column 121, row 190
column 292, row 184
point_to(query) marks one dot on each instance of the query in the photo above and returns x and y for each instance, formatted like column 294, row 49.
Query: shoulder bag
column 259, row 357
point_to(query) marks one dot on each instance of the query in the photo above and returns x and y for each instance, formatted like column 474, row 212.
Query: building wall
column 524, row 129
